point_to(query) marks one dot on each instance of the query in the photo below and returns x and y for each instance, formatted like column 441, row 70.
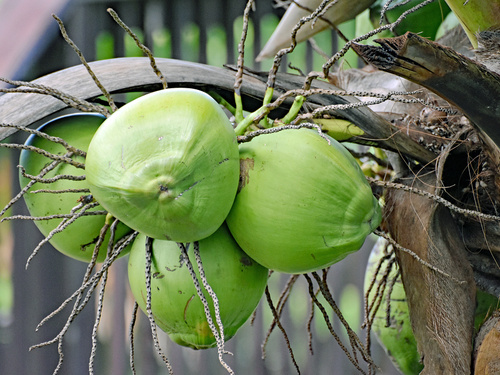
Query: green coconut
column 166, row 164
column 303, row 202
column 237, row 280
column 79, row 238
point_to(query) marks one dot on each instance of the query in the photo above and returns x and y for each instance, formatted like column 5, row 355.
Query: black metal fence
column 205, row 31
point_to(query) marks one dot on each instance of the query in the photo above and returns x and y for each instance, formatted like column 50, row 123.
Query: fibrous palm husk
column 441, row 303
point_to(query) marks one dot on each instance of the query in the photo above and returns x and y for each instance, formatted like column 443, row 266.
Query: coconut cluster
column 168, row 165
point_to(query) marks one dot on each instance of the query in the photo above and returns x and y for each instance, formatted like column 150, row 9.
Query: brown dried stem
column 64, row 158
column 69, row 100
column 280, row 326
column 241, row 48
column 215, row 301
column 420, row 260
column 131, row 338
column 52, row 179
column 90, row 281
column 329, row 324
column 152, row 323
column 283, row 298
column 62, row 191
column 84, row 62
column 215, row 332
column 62, row 225
column 143, row 48
column 100, row 303
column 279, row 56
column 248, row 137
column 51, row 138
column 50, row 217
column 444, row 202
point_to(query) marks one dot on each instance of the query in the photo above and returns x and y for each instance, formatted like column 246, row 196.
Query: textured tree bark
column 441, row 307
column 459, row 80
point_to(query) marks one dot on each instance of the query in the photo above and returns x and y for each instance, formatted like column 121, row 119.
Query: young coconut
column 238, row 281
column 303, row 204
column 166, row 164
column 78, row 239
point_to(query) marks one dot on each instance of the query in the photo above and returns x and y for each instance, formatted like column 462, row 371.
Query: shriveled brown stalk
column 88, row 280
column 444, row 202
column 356, row 344
column 283, row 298
column 69, row 100
column 131, row 338
column 309, row 324
column 281, row 53
column 77, row 307
column 420, row 260
column 50, row 217
column 42, row 173
column 241, row 48
column 329, row 324
column 215, row 332
column 100, row 303
column 51, row 138
column 52, row 179
column 84, row 62
column 215, row 301
column 62, row 191
column 282, row 329
column 47, row 154
column 62, row 225
column 139, row 44
column 248, row 137
column 152, row 323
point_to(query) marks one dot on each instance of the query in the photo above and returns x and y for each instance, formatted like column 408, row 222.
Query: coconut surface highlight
column 166, row 164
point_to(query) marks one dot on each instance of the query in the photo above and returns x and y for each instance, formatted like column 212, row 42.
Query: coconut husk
column 487, row 347
column 441, row 303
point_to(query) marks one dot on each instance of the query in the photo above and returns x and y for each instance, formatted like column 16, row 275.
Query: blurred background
column 206, row 31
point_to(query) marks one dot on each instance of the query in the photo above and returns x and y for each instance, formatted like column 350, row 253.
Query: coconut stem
column 250, row 119
column 223, row 102
column 294, row 110
column 238, row 112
